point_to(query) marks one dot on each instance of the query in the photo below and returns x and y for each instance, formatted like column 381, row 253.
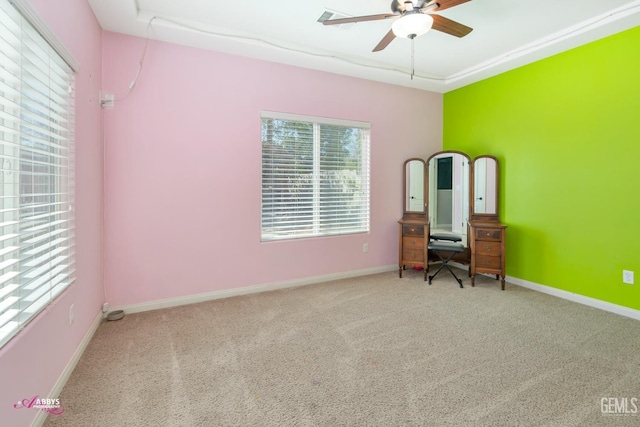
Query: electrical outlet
column 71, row 315
column 627, row 277
column 365, row 247
column 105, row 307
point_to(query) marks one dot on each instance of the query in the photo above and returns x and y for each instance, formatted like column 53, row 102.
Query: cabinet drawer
column 487, row 261
column 412, row 230
column 488, row 248
column 412, row 255
column 488, row 234
column 411, row 242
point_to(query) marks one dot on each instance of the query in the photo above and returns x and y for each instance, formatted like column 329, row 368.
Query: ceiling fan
column 412, row 19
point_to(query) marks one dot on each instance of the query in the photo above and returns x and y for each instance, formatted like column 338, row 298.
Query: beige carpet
column 370, row 351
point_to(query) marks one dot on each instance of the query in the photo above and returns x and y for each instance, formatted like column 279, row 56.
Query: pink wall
column 183, row 182
column 33, row 361
column 183, row 168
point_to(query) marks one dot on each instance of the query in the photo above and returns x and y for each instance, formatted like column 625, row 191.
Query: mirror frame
column 417, row 214
column 469, row 192
column 490, row 217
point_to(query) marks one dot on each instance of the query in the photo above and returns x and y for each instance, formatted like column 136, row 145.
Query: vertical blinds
column 37, row 252
column 315, row 177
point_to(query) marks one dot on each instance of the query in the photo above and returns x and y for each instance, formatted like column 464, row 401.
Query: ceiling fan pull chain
column 412, row 59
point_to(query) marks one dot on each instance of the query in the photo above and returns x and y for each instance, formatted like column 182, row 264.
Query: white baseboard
column 581, row 299
column 64, row 377
column 209, row 296
column 192, row 299
column 460, row 266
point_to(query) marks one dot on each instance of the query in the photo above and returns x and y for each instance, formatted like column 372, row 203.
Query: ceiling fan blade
column 385, row 41
column 359, row 19
column 446, row 25
column 446, row 4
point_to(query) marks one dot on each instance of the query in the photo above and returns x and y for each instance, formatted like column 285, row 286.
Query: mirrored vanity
column 451, row 197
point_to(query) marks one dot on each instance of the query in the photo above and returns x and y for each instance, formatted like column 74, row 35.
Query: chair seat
column 446, row 246
column 446, row 236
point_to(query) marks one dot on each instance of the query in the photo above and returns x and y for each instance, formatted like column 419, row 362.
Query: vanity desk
column 451, row 197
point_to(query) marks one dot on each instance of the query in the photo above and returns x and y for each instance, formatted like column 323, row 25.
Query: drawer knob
column 413, row 230
column 488, row 234
column 413, row 242
column 487, row 262
column 413, row 256
column 488, row 248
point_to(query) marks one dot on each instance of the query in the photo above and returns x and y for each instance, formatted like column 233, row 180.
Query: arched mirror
column 414, row 186
column 449, row 193
column 485, row 188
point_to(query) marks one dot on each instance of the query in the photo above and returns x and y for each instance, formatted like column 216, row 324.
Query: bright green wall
column 566, row 130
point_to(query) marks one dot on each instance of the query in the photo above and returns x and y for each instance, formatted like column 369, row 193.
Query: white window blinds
column 37, row 253
column 315, row 177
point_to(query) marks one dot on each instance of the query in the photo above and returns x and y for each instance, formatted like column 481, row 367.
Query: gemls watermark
column 50, row 406
column 619, row 405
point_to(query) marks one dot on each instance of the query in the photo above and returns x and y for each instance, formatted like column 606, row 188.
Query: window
column 36, row 175
column 315, row 177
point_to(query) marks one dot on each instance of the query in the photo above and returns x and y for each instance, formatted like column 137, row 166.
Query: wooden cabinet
column 487, row 249
column 413, row 241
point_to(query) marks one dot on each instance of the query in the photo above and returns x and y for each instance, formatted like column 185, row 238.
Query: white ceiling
column 506, row 34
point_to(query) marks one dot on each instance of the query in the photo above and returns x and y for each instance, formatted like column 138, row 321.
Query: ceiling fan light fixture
column 412, row 25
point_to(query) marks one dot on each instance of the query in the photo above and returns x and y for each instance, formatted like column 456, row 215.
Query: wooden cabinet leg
column 473, row 281
column 400, row 272
column 503, row 283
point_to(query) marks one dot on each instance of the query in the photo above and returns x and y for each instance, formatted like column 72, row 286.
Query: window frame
column 363, row 180
column 37, row 146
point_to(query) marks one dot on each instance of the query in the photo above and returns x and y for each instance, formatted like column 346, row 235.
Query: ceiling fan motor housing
column 398, row 7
